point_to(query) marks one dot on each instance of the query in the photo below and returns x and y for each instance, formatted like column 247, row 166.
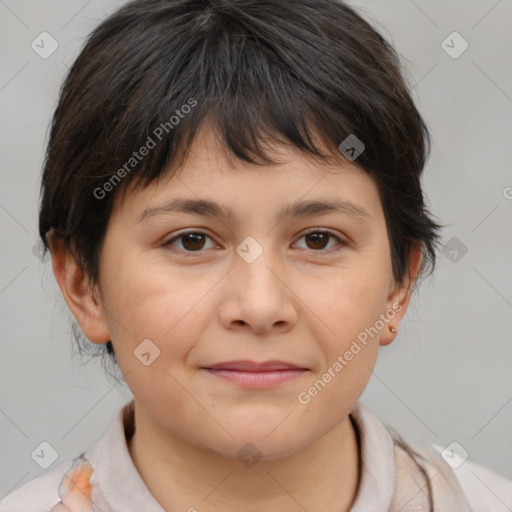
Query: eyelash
column 342, row 244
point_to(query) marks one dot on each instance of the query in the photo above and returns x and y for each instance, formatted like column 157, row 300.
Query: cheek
column 160, row 328
column 147, row 303
column 348, row 301
column 347, row 309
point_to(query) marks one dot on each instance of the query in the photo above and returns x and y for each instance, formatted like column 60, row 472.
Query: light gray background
column 447, row 377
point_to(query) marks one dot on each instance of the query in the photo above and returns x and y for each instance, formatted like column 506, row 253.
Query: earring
column 392, row 329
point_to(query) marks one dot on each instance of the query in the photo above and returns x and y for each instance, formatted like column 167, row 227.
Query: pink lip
column 250, row 374
column 246, row 365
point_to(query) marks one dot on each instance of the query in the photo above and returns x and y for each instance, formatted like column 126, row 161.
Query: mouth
column 251, row 374
column 246, row 365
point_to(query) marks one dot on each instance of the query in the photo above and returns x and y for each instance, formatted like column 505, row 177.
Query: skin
column 298, row 301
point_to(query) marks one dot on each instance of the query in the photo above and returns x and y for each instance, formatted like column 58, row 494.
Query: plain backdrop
column 447, row 376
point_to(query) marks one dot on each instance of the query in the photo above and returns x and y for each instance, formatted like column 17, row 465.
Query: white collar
column 378, row 463
column 127, row 491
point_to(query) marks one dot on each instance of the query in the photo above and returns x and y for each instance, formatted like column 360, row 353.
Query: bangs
column 253, row 81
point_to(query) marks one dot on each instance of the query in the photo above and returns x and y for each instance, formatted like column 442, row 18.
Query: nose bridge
column 257, row 294
column 257, row 262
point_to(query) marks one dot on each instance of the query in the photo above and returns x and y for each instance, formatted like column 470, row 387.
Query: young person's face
column 252, row 287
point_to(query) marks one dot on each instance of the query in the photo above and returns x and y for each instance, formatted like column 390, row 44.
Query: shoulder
column 73, row 485
column 460, row 485
column 485, row 490
column 66, row 483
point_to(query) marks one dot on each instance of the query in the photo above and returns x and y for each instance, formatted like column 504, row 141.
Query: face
column 313, row 288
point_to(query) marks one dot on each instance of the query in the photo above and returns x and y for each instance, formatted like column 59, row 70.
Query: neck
column 321, row 476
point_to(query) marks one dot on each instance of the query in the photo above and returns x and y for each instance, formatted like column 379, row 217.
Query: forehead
column 210, row 174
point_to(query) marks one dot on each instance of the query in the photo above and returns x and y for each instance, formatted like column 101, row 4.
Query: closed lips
column 253, row 366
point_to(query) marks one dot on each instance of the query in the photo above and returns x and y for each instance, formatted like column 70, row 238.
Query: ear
column 400, row 295
column 73, row 284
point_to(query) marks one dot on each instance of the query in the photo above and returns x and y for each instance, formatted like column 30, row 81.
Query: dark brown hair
column 154, row 71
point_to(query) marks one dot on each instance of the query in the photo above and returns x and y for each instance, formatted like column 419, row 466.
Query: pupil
column 317, row 238
column 194, row 238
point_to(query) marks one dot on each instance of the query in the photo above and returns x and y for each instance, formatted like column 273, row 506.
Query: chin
column 253, row 445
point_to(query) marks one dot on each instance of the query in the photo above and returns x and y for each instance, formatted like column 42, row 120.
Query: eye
column 194, row 241
column 318, row 239
column 191, row 241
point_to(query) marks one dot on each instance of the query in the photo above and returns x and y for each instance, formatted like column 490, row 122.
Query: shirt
column 104, row 478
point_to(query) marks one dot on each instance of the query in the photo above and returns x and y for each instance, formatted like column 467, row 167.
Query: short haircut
column 155, row 71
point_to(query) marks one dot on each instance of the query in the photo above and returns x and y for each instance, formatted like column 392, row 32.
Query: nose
column 258, row 296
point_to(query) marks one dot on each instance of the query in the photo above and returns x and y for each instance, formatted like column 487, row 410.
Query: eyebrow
column 207, row 208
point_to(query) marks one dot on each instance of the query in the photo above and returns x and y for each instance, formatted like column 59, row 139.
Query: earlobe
column 73, row 283
column 399, row 298
column 395, row 310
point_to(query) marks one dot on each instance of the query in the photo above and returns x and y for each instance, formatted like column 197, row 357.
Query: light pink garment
column 104, row 478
